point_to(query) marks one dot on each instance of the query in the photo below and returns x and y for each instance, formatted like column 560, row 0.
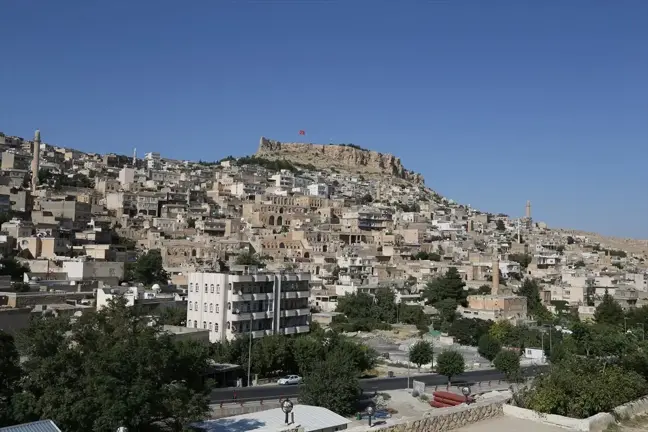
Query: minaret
column 495, row 289
column 35, row 160
column 528, row 210
column 134, row 157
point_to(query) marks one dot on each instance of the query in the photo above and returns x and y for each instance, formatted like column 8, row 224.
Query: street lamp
column 466, row 392
column 370, row 412
column 287, row 407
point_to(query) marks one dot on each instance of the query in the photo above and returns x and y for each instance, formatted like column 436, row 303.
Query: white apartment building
column 248, row 301
column 318, row 189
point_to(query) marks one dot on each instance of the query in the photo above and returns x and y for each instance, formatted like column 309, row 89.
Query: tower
column 528, row 210
column 134, row 157
column 495, row 290
column 35, row 160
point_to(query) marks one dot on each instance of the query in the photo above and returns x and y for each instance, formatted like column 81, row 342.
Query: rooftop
column 311, row 418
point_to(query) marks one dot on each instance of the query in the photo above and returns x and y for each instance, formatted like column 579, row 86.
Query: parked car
column 290, row 379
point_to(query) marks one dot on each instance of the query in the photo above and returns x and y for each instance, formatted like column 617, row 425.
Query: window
column 217, row 288
column 211, row 288
column 191, row 287
column 190, row 306
column 229, row 306
column 217, row 308
column 216, row 327
column 205, row 325
column 196, row 306
column 205, row 308
column 228, row 325
column 210, row 326
column 195, row 324
column 211, row 307
column 205, row 287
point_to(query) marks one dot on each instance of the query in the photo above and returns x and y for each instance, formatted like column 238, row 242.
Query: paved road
column 368, row 385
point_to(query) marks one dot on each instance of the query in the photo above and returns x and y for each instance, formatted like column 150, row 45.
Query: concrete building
column 248, row 301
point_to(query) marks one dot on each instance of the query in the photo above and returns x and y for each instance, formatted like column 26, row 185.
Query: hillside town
column 78, row 220
column 294, row 239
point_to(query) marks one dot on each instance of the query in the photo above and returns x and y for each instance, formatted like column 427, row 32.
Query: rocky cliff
column 343, row 157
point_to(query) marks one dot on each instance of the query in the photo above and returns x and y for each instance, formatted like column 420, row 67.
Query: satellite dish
column 156, row 287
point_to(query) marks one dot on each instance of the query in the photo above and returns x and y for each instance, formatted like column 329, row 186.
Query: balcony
column 247, row 316
column 303, row 329
column 289, row 330
column 261, row 296
column 239, row 296
column 289, row 294
column 303, row 311
column 303, row 294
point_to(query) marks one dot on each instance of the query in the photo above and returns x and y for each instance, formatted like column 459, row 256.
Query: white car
column 290, row 379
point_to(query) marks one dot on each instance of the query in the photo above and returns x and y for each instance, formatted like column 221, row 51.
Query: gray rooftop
column 39, row 426
column 311, row 418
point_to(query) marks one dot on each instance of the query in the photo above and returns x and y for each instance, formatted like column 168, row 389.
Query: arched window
column 211, row 307
column 210, row 326
column 217, row 308
column 195, row 324
column 205, row 287
column 217, row 288
column 216, row 327
column 205, row 325
column 190, row 306
column 229, row 306
column 205, row 307
column 191, row 287
column 228, row 325
column 196, row 306
column 211, row 288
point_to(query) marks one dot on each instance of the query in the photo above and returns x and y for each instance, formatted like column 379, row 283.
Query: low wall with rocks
column 445, row 419
column 596, row 423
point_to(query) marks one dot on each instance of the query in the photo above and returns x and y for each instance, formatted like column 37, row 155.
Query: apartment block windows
column 216, row 327
column 195, row 306
column 205, row 288
column 205, row 325
column 217, row 308
column 205, row 307
column 211, row 288
column 191, row 287
column 211, row 307
column 217, row 288
column 190, row 306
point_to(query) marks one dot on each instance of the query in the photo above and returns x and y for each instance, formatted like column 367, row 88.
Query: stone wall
column 445, row 419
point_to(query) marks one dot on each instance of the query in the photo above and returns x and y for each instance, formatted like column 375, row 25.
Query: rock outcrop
column 343, row 157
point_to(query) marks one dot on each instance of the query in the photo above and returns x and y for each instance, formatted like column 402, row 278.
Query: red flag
column 302, row 132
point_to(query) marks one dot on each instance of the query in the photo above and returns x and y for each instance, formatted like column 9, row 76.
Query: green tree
column 563, row 391
column 332, row 383
column 173, row 316
column 249, row 259
column 448, row 286
column 447, row 309
column 523, row 259
column 307, row 351
column 489, row 347
column 531, row 290
column 111, row 368
column 609, row 311
column 9, row 266
column 468, row 331
column 149, row 269
column 450, row 363
column 508, row 362
column 499, row 224
column 272, row 355
column 9, row 377
column 421, row 353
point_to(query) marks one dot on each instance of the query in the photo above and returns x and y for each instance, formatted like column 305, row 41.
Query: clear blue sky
column 495, row 102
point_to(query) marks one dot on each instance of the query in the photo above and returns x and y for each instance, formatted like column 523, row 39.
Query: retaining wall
column 445, row 419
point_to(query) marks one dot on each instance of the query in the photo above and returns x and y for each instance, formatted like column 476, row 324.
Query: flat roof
column 311, row 418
